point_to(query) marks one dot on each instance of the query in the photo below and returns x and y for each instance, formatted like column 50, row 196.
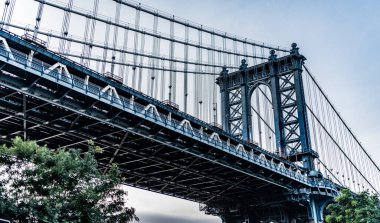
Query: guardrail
column 33, row 39
column 114, row 77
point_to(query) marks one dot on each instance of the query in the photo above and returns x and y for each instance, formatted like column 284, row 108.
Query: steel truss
column 283, row 77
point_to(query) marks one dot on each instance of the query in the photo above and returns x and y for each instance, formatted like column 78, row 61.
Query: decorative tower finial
column 273, row 55
column 243, row 65
column 224, row 71
column 294, row 49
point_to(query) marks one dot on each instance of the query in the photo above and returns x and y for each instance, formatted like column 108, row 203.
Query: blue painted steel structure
column 51, row 99
column 284, row 77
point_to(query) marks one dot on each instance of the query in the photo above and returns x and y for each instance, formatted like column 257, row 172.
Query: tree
column 41, row 185
column 354, row 208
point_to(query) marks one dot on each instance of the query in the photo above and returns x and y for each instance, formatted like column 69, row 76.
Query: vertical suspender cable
column 254, row 54
column 163, row 80
column 122, row 72
column 356, row 160
column 156, row 86
column 353, row 157
column 48, row 39
column 197, row 88
column 217, row 70
column 152, row 61
column 89, row 36
column 98, row 64
column 266, row 117
column 307, row 81
column 171, row 63
column 200, row 76
column 349, row 154
column 220, row 63
column 10, row 14
column 105, row 50
column 185, row 67
column 322, row 144
column 342, row 163
column 213, row 79
column 229, row 58
column 262, row 54
column 7, row 14
column 258, row 108
column 329, row 129
column 225, row 49
column 115, row 36
column 142, row 49
column 85, row 39
column 236, row 62
column 136, row 42
column 38, row 19
column 65, row 27
column 245, row 50
column 206, row 89
column 68, row 45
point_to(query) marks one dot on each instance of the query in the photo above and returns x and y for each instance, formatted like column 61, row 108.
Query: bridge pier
column 311, row 211
column 316, row 208
column 232, row 219
column 275, row 214
column 239, row 217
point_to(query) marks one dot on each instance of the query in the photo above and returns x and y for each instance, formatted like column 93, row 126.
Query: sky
column 341, row 41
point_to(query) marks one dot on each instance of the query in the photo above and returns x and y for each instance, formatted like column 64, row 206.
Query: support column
column 297, row 62
column 222, row 82
column 276, row 102
column 245, row 102
column 246, row 108
column 232, row 219
column 252, row 218
column 317, row 204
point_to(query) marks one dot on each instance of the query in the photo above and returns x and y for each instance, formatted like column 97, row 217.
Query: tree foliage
column 354, row 208
column 41, row 185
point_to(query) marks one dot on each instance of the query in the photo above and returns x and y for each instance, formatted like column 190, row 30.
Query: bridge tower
column 283, row 76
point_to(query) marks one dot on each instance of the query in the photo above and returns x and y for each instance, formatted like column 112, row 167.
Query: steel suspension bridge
column 240, row 126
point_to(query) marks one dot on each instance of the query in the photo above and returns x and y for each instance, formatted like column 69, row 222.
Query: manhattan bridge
column 239, row 126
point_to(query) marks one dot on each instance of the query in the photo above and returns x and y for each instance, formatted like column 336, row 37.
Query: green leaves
column 351, row 208
column 41, row 185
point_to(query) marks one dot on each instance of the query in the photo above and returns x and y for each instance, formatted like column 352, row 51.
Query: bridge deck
column 157, row 152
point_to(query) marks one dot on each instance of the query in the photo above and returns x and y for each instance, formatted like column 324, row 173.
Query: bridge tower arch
column 262, row 117
column 284, row 78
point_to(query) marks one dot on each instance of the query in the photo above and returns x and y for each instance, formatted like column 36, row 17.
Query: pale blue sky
column 340, row 39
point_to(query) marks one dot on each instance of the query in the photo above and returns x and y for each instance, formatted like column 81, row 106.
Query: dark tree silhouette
column 354, row 208
column 41, row 185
